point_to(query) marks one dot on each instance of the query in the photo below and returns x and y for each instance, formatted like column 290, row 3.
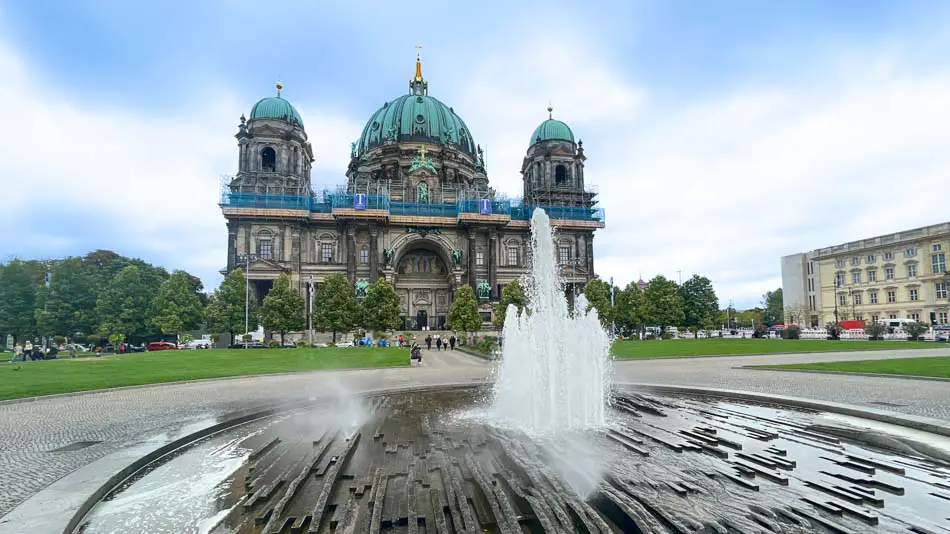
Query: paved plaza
column 92, row 425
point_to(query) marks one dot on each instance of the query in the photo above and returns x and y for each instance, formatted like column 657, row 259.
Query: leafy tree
column 283, row 308
column 630, row 309
column 663, row 303
column 17, row 299
column 772, row 307
column 597, row 292
column 381, row 309
column 68, row 306
column 337, row 310
column 463, row 314
column 700, row 304
column 225, row 309
column 875, row 331
column 512, row 293
column 176, row 307
column 915, row 330
column 123, row 305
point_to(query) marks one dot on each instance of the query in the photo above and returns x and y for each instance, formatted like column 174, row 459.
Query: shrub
column 792, row 332
column 915, row 330
column 302, row 345
column 486, row 345
column 273, row 344
column 59, row 340
column 875, row 331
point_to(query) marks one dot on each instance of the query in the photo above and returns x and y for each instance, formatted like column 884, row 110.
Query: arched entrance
column 423, row 280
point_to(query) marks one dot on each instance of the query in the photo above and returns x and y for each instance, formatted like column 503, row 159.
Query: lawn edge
column 622, row 358
column 849, row 373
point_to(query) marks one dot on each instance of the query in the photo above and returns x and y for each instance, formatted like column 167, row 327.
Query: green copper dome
column 275, row 107
column 416, row 117
column 552, row 129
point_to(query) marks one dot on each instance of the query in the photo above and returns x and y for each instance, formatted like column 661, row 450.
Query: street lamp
column 834, row 329
column 246, row 258
column 310, row 310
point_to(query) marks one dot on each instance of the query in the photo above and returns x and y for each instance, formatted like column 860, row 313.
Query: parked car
column 161, row 345
column 248, row 345
column 198, row 344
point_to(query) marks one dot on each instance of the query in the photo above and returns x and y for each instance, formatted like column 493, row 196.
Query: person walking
column 438, row 342
column 428, row 342
column 452, row 342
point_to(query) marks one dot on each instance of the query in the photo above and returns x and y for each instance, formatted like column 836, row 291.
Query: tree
column 283, row 308
column 700, row 304
column 463, row 314
column 915, row 330
column 772, row 307
column 381, row 309
column 123, row 305
column 663, row 303
column 337, row 310
column 630, row 309
column 512, row 293
column 17, row 299
column 597, row 293
column 875, row 331
column 68, row 306
column 176, row 306
column 225, row 309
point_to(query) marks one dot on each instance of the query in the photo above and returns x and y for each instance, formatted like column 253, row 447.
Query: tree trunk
column 334, row 337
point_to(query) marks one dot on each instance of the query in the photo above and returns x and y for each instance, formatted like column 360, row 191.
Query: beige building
column 899, row 275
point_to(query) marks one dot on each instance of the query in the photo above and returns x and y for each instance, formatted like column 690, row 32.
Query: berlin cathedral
column 416, row 209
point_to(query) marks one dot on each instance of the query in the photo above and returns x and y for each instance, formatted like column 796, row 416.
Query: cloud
column 79, row 177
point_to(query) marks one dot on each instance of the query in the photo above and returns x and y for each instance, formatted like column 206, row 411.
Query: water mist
column 553, row 374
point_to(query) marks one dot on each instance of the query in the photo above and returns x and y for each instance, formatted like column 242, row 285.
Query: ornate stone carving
column 457, row 256
column 388, row 255
column 482, row 290
column 361, row 287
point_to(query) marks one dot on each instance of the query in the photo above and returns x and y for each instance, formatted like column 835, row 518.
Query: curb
column 847, row 373
column 740, row 355
column 914, row 422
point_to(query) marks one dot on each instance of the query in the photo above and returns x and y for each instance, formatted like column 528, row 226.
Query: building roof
column 551, row 129
column 277, row 108
column 416, row 117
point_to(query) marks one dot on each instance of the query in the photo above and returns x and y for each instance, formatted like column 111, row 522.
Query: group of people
column 449, row 344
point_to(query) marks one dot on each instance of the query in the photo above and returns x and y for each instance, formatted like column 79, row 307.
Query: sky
column 722, row 135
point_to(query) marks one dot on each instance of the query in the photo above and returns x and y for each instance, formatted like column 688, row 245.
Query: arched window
column 560, row 175
column 268, row 159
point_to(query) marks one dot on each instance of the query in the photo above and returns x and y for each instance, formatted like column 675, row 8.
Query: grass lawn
column 937, row 366
column 29, row 379
column 693, row 348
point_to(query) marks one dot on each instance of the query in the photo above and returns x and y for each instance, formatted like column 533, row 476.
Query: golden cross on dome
column 418, row 62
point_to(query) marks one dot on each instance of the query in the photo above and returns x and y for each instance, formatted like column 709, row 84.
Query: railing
column 327, row 202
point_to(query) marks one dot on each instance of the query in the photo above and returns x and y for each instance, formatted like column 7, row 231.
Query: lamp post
column 247, row 292
column 613, row 322
column 310, row 310
column 834, row 328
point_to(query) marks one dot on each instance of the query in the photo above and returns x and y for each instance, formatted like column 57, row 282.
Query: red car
column 161, row 345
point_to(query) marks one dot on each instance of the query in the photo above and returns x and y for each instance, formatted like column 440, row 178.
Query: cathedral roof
column 551, row 129
column 277, row 108
column 416, row 117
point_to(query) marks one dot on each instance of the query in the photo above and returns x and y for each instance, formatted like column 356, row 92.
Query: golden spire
column 418, row 63
column 279, row 87
column 550, row 109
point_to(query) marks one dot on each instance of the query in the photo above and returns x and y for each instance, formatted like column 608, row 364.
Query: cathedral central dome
column 416, row 117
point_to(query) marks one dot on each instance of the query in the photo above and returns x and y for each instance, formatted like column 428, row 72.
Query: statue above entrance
column 421, row 262
column 482, row 290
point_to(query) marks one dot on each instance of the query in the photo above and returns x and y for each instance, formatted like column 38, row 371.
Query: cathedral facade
column 416, row 209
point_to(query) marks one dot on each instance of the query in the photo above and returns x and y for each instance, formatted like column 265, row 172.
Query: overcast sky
column 722, row 134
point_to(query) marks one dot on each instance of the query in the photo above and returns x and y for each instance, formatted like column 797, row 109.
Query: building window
column 842, row 300
column 873, row 297
column 888, row 273
column 811, row 302
column 811, row 284
column 939, row 263
column 913, row 294
column 855, row 261
column 364, row 255
column 513, row 256
column 839, row 279
column 560, row 175
column 942, row 318
column 937, row 247
column 940, row 290
column 891, row 296
column 265, row 249
column 915, row 317
column 479, row 257
column 872, row 276
column 872, row 258
column 811, row 267
column 888, row 256
column 326, row 253
column 268, row 160
column 856, row 277
column 892, row 316
column 839, row 264
column 857, row 298
column 563, row 254
column 912, row 270
column 910, row 252
column 875, row 318
column 859, row 317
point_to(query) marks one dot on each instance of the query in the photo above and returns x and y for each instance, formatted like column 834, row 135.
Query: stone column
column 373, row 254
column 295, row 250
column 471, row 258
column 232, row 245
column 493, row 263
column 247, row 238
column 590, row 257
column 351, row 254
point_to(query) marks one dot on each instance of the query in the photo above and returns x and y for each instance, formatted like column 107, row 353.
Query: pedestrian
column 452, row 342
column 438, row 342
column 428, row 342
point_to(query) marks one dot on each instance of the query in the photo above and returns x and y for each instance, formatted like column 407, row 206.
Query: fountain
column 553, row 371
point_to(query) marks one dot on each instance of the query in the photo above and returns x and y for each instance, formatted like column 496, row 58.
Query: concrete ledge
column 473, row 352
column 850, row 373
column 924, row 424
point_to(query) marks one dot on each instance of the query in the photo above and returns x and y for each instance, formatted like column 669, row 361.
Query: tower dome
column 276, row 108
column 552, row 129
column 416, row 117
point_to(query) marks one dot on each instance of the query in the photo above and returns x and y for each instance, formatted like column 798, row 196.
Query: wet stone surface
column 432, row 463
